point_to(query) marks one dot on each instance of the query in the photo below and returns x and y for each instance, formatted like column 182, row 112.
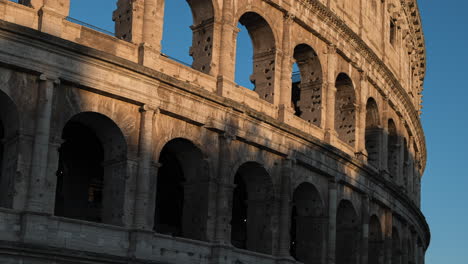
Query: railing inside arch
column 79, row 22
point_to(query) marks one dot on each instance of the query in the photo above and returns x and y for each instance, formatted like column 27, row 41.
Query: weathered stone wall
column 244, row 168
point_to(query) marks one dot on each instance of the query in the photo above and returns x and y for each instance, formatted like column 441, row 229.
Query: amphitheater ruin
column 112, row 152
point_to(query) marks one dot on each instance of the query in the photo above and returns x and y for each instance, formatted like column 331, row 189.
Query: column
column 388, row 228
column 141, row 22
column 143, row 214
column 225, row 189
column 227, row 46
column 285, row 209
column 37, row 183
column 384, row 143
column 365, row 229
column 401, row 153
column 360, row 146
column 286, row 70
column 329, row 91
column 332, row 208
column 404, row 245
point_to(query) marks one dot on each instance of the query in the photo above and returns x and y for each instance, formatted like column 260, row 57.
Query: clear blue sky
column 444, row 115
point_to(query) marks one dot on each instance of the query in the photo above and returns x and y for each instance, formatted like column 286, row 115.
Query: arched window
column 345, row 109
column 347, row 233
column 393, row 149
column 373, row 133
column 251, row 209
column 264, row 55
column 308, row 230
column 396, row 247
column 182, row 191
column 307, row 89
column 92, row 170
column 9, row 129
column 376, row 243
column 195, row 20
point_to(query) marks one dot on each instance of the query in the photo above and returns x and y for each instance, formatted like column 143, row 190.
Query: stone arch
column 251, row 209
column 306, row 93
column 393, row 149
column 373, row 132
column 264, row 54
column 345, row 109
column 182, row 191
column 91, row 173
column 9, row 132
column 347, row 233
column 308, row 225
column 376, row 241
column 396, row 246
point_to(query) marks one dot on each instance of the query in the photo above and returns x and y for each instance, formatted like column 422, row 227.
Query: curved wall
column 179, row 164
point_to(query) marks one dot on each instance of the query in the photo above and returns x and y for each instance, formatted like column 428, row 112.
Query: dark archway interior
column 250, row 222
column 372, row 133
column 9, row 127
column 307, row 225
column 91, row 175
column 345, row 109
column 80, row 176
column 376, row 246
column 170, row 195
column 347, row 233
column 182, row 191
column 264, row 55
column 2, row 135
column 307, row 89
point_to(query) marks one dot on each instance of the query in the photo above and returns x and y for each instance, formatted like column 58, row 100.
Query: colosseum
column 112, row 152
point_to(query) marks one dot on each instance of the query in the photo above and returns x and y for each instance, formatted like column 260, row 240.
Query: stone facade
column 113, row 153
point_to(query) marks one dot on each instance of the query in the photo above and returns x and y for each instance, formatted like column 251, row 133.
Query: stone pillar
column 329, row 91
column 141, row 22
column 332, row 210
column 285, row 211
column 360, row 146
column 365, row 229
column 225, row 189
column 404, row 245
column 388, row 228
column 384, row 142
column 401, row 154
column 143, row 219
column 286, row 66
column 227, row 53
column 38, row 175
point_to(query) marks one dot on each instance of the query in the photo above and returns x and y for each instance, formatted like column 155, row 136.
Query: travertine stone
column 111, row 152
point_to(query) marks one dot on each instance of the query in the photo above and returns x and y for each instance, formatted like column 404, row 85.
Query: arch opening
column 376, row 243
column 372, row 133
column 345, row 109
column 308, row 225
column 192, row 28
column 307, row 85
column 264, row 55
column 9, row 131
column 347, row 233
column 182, row 191
column 92, row 170
column 251, row 209
column 393, row 149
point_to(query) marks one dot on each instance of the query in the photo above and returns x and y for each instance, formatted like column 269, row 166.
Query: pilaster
column 329, row 92
column 37, row 184
column 142, row 219
column 332, row 210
